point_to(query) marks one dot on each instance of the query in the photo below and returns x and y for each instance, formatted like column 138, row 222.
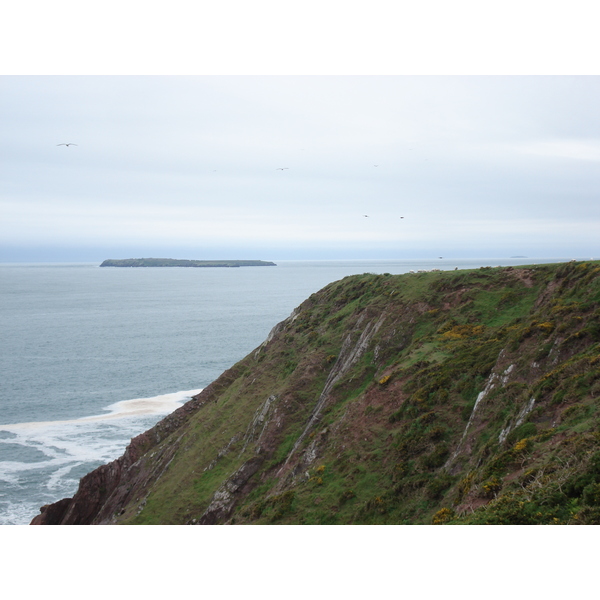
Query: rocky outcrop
column 225, row 497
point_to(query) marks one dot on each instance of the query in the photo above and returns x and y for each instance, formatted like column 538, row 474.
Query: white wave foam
column 55, row 481
column 71, row 448
column 157, row 405
column 18, row 513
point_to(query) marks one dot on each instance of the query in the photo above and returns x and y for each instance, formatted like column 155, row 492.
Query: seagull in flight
column 366, row 216
column 281, row 168
column 69, row 144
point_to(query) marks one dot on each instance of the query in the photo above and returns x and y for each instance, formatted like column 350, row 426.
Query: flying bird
column 365, row 215
column 281, row 168
column 69, row 144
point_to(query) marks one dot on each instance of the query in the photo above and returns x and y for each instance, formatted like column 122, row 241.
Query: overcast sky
column 273, row 165
column 288, row 166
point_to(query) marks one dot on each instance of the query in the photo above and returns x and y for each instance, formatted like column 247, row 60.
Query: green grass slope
column 442, row 397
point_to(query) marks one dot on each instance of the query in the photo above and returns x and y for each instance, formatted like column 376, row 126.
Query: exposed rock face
column 225, row 497
column 350, row 352
column 465, row 397
column 52, row 514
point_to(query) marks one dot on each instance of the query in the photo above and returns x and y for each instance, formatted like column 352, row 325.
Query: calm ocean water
column 91, row 357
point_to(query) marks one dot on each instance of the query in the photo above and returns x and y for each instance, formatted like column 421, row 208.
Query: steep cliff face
column 446, row 397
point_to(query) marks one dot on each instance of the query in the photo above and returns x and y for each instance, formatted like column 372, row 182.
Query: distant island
column 174, row 262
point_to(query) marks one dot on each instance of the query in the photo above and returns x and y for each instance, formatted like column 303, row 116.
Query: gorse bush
column 443, row 516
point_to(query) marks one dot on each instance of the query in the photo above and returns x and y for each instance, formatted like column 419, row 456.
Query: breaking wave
column 58, row 453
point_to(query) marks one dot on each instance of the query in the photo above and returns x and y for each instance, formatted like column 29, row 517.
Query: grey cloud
column 161, row 157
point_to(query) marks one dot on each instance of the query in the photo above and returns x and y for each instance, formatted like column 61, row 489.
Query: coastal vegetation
column 462, row 397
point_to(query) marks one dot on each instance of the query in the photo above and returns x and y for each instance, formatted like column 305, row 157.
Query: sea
column 91, row 357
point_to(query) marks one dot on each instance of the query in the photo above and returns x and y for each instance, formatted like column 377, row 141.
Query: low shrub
column 443, row 516
column 491, row 487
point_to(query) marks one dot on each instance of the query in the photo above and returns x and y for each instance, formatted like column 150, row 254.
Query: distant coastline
column 174, row 262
